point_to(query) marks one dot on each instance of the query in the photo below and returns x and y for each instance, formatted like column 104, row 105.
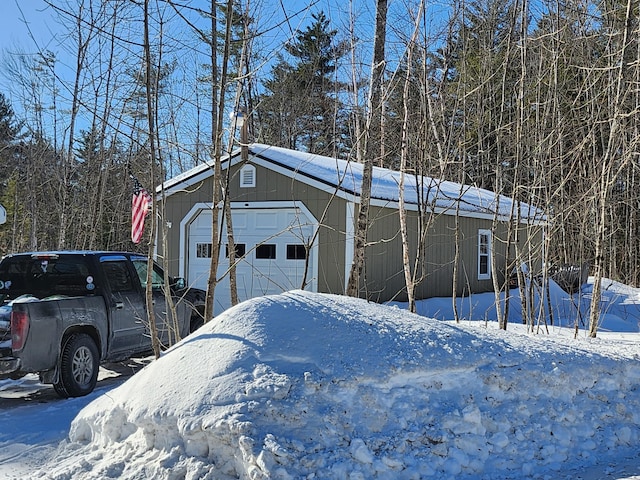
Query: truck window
column 43, row 277
column 157, row 278
column 117, row 275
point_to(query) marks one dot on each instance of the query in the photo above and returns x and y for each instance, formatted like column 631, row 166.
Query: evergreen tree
column 9, row 126
column 9, row 163
column 9, row 131
column 301, row 108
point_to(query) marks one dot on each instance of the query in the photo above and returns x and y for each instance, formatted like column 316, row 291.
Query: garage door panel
column 267, row 221
column 200, row 276
column 240, row 221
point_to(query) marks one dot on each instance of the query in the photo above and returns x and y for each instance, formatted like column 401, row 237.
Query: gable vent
column 248, row 176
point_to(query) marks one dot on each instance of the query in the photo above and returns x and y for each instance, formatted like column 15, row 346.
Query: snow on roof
column 344, row 177
column 436, row 193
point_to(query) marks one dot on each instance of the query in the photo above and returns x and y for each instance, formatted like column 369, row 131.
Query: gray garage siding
column 384, row 276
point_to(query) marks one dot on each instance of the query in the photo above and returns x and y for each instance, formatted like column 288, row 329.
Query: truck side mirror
column 179, row 283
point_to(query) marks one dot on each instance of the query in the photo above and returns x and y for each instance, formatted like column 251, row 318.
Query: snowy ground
column 314, row 386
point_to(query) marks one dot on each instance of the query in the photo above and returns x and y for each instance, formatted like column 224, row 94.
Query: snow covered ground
column 305, row 385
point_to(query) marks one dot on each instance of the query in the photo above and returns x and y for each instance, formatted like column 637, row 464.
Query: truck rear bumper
column 8, row 365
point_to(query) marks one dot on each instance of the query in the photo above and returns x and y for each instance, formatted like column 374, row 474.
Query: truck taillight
column 19, row 329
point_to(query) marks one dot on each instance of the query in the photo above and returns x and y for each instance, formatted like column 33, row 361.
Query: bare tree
column 217, row 133
column 150, row 88
column 369, row 151
column 611, row 165
column 409, row 276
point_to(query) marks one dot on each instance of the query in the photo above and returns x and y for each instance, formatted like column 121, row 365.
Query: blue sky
column 19, row 17
column 25, row 26
column 29, row 26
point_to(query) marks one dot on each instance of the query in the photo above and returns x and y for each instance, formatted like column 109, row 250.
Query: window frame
column 293, row 250
column 204, row 249
column 482, row 233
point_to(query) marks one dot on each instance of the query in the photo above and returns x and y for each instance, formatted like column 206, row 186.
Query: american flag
column 140, row 204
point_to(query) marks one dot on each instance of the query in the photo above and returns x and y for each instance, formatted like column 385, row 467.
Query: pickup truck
column 64, row 313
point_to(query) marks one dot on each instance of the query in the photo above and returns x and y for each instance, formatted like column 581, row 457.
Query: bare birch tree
column 404, row 153
column 611, row 165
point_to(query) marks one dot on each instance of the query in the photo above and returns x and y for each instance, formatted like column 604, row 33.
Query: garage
column 273, row 242
column 281, row 198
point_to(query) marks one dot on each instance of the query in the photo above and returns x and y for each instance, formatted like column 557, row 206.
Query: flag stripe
column 140, row 204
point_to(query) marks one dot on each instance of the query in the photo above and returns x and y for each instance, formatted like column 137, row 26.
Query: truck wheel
column 196, row 322
column 79, row 365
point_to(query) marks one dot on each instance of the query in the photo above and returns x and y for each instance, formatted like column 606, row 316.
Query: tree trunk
column 409, row 277
column 608, row 177
column 375, row 106
column 155, row 344
column 216, row 143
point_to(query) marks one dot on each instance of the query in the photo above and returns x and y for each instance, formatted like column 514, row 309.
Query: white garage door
column 272, row 243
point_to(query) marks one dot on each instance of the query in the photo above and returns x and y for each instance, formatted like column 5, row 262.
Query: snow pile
column 305, row 385
column 619, row 307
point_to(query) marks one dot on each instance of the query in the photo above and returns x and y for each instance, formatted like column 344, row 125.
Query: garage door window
column 296, row 252
column 266, row 251
column 203, row 250
column 240, row 250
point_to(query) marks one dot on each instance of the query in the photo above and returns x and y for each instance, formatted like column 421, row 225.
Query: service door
column 273, row 247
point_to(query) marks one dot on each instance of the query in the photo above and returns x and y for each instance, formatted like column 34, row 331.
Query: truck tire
column 196, row 321
column 79, row 365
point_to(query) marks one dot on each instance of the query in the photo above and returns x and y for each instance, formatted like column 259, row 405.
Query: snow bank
column 305, row 385
column 620, row 307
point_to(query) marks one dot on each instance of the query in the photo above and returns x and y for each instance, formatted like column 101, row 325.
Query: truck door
column 165, row 327
column 128, row 314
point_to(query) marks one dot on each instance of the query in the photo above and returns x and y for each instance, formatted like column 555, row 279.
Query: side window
column 484, row 254
column 118, row 276
column 157, row 279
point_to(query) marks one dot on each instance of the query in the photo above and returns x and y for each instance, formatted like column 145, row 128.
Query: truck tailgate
column 48, row 321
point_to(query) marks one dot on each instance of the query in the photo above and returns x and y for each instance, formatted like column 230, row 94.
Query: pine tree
column 9, row 130
column 9, row 126
column 9, row 162
column 301, row 108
